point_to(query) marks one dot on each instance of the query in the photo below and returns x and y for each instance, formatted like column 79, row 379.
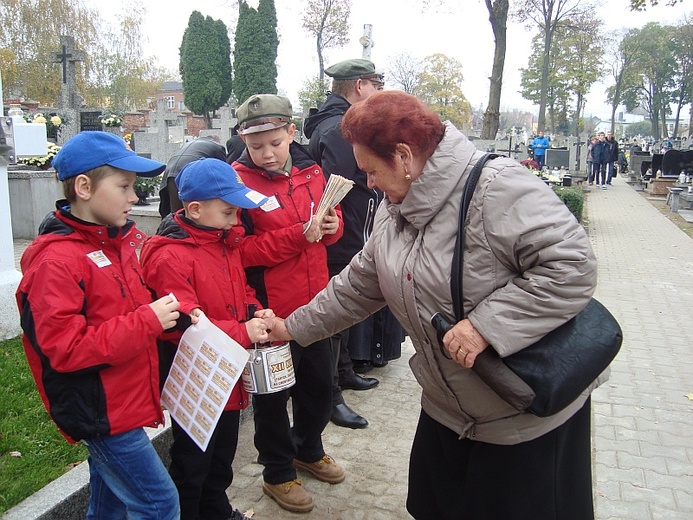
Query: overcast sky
column 462, row 32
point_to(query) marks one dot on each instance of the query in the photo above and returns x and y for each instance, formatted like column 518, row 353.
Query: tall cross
column 366, row 41
column 68, row 56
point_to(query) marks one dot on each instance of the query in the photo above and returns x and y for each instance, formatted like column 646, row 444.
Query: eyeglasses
column 379, row 85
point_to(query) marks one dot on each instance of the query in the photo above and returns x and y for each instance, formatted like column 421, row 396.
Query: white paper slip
column 207, row 365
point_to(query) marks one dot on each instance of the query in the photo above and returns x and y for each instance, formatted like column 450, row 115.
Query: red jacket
column 284, row 268
column 89, row 333
column 202, row 268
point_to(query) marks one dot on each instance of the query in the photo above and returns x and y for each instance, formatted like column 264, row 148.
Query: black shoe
column 344, row 416
column 356, row 382
column 361, row 367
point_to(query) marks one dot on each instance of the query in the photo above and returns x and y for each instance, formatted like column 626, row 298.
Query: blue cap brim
column 244, row 198
column 142, row 166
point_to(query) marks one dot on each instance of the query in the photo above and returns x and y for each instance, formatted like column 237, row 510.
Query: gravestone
column 70, row 101
column 163, row 137
column 9, row 276
column 224, row 124
column 90, row 121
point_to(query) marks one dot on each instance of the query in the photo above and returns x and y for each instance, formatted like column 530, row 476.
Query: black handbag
column 547, row 376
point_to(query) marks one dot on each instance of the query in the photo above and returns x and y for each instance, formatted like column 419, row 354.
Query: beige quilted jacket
column 528, row 267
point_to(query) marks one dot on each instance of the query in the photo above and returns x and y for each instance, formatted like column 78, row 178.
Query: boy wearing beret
column 284, row 252
column 194, row 255
column 90, row 327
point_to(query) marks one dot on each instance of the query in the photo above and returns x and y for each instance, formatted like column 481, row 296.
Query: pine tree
column 205, row 65
column 255, row 51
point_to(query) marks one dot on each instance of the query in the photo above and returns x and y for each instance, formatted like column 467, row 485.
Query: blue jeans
column 128, row 479
column 541, row 160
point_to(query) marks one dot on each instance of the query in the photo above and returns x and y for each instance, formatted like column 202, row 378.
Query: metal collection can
column 269, row 370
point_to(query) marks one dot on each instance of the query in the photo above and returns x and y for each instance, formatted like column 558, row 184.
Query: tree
column 579, row 67
column 498, row 16
column 122, row 78
column 328, row 21
column 255, row 51
column 548, row 15
column 404, row 71
column 557, row 93
column 440, row 86
column 620, row 59
column 205, row 65
column 683, row 55
column 641, row 5
column 654, row 61
column 27, row 41
column 313, row 93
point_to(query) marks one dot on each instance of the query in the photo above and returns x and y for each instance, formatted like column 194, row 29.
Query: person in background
column 234, row 146
column 352, row 81
column 528, row 268
column 90, row 327
column 601, row 154
column 540, row 144
column 612, row 144
column 195, row 256
column 590, row 160
column 284, row 252
column 196, row 149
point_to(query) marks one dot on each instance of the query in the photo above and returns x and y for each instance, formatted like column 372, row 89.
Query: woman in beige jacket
column 528, row 268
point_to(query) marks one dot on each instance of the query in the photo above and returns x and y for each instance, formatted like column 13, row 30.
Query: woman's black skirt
column 548, row 478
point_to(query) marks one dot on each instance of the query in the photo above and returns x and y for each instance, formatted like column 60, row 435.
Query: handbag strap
column 456, row 275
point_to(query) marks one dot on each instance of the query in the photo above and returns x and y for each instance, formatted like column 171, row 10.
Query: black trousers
column 548, row 478
column 203, row 476
column 276, row 441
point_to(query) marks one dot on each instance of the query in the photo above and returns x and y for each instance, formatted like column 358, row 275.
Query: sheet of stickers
column 206, row 367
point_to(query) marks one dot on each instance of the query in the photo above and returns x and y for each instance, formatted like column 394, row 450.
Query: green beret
column 354, row 69
column 262, row 112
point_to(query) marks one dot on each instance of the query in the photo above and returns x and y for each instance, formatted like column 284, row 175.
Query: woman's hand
column 278, row 330
column 264, row 313
column 330, row 224
column 464, row 343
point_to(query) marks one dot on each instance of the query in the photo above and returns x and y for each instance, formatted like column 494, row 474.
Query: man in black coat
column 200, row 148
column 612, row 144
column 353, row 81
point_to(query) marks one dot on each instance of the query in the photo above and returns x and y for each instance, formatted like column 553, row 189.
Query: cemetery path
column 642, row 418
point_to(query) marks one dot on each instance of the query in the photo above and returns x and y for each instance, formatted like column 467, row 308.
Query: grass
column 32, row 451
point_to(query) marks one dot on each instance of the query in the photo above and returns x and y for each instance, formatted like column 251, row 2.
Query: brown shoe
column 325, row 469
column 290, row 495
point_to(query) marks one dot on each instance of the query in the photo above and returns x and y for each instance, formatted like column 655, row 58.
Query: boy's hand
column 278, row 330
column 330, row 224
column 166, row 309
column 257, row 330
column 313, row 233
column 264, row 313
column 195, row 315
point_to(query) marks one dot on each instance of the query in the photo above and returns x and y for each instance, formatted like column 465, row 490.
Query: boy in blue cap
column 194, row 255
column 90, row 327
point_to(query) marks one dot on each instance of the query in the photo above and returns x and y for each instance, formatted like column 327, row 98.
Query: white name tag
column 99, row 258
column 270, row 205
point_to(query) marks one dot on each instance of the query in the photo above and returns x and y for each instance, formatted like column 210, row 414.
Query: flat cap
column 354, row 69
column 262, row 112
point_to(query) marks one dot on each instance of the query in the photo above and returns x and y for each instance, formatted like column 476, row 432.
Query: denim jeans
column 128, row 479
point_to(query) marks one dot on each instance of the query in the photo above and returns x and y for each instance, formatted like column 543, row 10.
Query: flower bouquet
column 111, row 120
column 43, row 163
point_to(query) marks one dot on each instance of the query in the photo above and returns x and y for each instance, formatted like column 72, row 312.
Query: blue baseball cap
column 208, row 178
column 89, row 150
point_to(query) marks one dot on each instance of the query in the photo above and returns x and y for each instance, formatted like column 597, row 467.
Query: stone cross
column 367, row 41
column 68, row 57
column 9, row 276
column 225, row 122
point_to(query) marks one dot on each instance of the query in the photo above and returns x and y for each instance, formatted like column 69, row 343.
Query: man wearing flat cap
column 352, row 81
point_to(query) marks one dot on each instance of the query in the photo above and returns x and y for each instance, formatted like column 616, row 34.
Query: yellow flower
column 38, row 118
column 56, row 121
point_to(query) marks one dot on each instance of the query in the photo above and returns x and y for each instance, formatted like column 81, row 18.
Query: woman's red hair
column 391, row 117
